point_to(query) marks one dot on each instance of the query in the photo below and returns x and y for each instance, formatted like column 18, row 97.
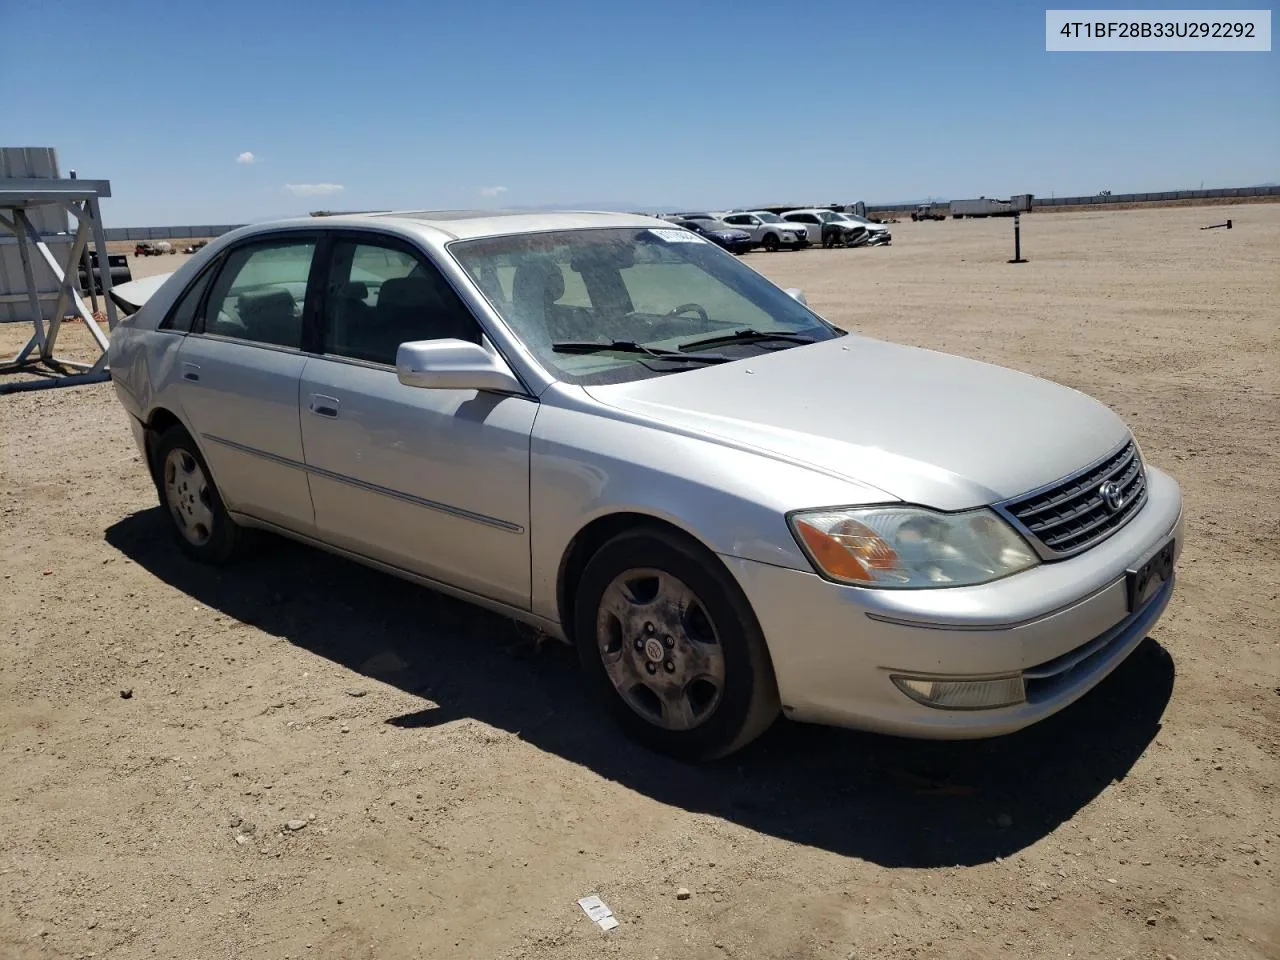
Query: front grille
column 1071, row 515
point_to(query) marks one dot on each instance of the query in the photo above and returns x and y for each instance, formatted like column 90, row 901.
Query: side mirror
column 795, row 293
column 453, row 365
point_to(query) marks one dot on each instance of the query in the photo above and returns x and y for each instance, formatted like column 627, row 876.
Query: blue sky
column 406, row 103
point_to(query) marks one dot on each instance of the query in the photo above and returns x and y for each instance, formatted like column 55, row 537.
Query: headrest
column 416, row 292
column 265, row 301
column 355, row 290
column 538, row 279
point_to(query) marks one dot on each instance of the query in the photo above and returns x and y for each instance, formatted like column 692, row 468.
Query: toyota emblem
column 1112, row 495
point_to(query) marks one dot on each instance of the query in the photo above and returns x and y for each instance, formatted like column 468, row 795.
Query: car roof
column 469, row 224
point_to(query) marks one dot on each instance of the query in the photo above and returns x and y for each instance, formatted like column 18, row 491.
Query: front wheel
column 771, row 242
column 667, row 639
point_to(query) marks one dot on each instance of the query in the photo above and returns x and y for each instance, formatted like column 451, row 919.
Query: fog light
column 963, row 694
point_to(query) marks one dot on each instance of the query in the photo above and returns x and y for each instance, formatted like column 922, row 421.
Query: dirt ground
column 454, row 793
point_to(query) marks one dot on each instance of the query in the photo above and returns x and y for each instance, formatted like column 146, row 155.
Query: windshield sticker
column 677, row 236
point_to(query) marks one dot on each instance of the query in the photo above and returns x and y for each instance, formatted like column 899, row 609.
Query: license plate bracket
column 1145, row 582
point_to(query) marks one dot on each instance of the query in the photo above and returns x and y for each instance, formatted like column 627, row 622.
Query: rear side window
column 183, row 313
column 259, row 293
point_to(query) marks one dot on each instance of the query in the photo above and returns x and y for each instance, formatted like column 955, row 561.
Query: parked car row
column 740, row 231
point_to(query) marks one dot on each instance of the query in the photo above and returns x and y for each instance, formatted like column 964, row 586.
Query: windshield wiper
column 630, row 346
column 747, row 335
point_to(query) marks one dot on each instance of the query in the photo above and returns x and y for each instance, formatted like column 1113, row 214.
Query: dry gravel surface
column 297, row 757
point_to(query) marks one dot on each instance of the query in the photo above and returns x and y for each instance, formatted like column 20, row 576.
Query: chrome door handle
column 323, row 406
column 191, row 371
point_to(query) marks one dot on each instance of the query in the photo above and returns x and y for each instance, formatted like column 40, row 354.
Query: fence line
column 215, row 230
column 1273, row 191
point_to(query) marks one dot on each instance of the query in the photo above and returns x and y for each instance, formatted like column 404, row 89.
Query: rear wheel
column 197, row 516
column 669, row 642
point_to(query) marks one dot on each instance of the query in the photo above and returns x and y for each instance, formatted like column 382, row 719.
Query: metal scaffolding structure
column 19, row 199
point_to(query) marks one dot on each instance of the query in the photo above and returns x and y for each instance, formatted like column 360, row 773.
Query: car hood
column 926, row 427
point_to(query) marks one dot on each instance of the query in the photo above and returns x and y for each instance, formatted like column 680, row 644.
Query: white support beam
column 104, row 266
column 64, row 289
column 61, row 276
column 38, row 340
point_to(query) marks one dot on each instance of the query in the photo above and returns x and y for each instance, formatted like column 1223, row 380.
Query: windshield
column 827, row 216
column 770, row 218
column 716, row 225
column 857, row 219
column 658, row 287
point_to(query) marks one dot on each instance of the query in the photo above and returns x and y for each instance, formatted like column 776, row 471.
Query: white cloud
column 246, row 157
column 313, row 189
column 492, row 191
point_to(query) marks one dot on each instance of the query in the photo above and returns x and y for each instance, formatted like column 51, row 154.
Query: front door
column 239, row 369
column 431, row 481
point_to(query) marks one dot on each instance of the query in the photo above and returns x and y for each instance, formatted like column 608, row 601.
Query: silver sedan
column 607, row 427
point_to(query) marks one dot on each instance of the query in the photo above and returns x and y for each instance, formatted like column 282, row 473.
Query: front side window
column 659, row 288
column 259, row 293
column 380, row 295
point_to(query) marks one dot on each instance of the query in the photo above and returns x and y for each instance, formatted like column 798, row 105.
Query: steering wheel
column 685, row 308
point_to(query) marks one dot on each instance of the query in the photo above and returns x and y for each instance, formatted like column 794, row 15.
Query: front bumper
column 1062, row 627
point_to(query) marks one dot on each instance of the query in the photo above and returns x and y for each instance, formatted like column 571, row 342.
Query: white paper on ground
column 598, row 912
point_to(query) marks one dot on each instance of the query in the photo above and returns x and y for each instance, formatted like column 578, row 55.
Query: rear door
column 435, row 481
column 239, row 371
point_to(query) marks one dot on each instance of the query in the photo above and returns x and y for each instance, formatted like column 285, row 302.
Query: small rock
column 1004, row 821
column 296, row 824
column 1247, row 848
column 345, row 729
column 356, row 692
column 92, row 924
column 717, row 897
column 1209, row 937
column 126, row 694
column 683, row 894
column 241, row 839
column 1152, row 921
column 235, row 822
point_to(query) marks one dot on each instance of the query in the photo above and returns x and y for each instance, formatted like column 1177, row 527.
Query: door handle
column 191, row 371
column 323, row 406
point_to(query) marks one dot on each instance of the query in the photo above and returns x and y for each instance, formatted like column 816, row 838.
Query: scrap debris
column 598, row 912
column 1215, row 226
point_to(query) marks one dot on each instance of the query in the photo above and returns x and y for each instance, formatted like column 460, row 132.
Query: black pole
column 1017, row 239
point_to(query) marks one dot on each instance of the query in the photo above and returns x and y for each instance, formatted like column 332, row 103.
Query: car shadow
column 895, row 802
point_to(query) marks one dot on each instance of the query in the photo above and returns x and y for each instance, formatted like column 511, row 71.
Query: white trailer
column 982, row 207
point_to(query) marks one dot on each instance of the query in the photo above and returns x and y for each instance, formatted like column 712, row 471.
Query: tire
column 197, row 517
column 771, row 242
column 651, row 604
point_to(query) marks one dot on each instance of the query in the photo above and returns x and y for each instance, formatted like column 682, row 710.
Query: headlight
column 910, row 547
